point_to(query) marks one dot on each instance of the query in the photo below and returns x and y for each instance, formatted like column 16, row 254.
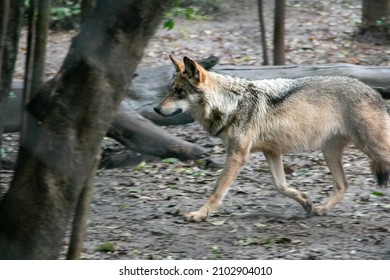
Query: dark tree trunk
column 10, row 19
column 10, row 43
column 4, row 16
column 41, row 29
column 375, row 21
column 72, row 114
column 262, row 32
column 279, row 32
column 375, row 13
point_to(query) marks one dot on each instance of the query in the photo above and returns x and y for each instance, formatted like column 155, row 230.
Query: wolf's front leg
column 234, row 162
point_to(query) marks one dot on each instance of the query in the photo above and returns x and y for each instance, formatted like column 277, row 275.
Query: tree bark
column 374, row 11
column 279, row 32
column 72, row 114
column 375, row 25
column 42, row 27
column 10, row 19
column 81, row 216
column 262, row 32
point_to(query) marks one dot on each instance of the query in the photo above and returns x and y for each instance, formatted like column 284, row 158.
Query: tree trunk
column 80, row 219
column 262, row 32
column 279, row 32
column 375, row 21
column 375, row 13
column 72, row 114
column 4, row 16
column 10, row 19
column 42, row 27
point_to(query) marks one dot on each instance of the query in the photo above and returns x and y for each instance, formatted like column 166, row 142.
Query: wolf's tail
column 381, row 172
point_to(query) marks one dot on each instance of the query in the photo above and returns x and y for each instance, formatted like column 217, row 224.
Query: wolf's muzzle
column 159, row 110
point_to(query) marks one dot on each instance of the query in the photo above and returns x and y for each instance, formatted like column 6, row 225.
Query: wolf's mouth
column 165, row 114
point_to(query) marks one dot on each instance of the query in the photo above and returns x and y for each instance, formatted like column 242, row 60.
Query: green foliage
column 11, row 94
column 60, row 13
column 66, row 14
column 376, row 193
column 170, row 160
column 190, row 12
column 107, row 247
column 140, row 166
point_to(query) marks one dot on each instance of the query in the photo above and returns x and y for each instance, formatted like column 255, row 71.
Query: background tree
column 4, row 15
column 278, row 32
column 376, row 19
column 71, row 114
column 10, row 24
column 279, row 52
column 262, row 32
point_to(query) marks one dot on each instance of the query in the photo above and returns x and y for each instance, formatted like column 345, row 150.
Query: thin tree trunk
column 72, row 115
column 29, row 66
column 10, row 21
column 4, row 16
column 263, row 32
column 279, row 58
column 80, row 219
column 41, row 30
column 375, row 13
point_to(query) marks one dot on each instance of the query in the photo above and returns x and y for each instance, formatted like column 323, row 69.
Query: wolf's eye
column 179, row 93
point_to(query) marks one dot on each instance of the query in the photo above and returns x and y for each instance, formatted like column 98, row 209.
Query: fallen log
column 129, row 128
column 377, row 77
column 150, row 85
column 141, row 135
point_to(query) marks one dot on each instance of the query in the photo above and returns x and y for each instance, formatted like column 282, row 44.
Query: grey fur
column 283, row 116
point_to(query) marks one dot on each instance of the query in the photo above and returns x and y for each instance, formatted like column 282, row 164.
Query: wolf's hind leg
column 275, row 164
column 333, row 153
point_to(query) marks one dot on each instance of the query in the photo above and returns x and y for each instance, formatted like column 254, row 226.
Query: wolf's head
column 186, row 86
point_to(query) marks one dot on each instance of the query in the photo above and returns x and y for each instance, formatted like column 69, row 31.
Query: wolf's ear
column 194, row 71
column 179, row 65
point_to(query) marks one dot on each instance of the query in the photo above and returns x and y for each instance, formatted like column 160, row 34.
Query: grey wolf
column 282, row 116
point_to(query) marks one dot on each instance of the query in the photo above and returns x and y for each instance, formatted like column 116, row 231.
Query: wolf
column 279, row 116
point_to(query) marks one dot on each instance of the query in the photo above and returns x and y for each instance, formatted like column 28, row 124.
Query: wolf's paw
column 320, row 210
column 308, row 206
column 197, row 216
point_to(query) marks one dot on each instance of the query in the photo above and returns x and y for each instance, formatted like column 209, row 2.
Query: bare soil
column 139, row 209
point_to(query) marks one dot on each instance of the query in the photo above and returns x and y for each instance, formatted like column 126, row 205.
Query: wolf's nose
column 157, row 110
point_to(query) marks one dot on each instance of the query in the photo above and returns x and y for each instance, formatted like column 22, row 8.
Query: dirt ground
column 137, row 212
